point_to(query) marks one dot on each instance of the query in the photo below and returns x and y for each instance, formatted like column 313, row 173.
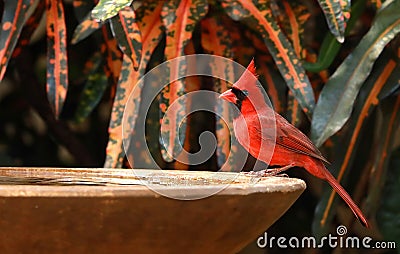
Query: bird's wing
column 293, row 139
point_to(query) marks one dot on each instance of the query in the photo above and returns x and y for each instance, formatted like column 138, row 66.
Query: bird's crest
column 248, row 80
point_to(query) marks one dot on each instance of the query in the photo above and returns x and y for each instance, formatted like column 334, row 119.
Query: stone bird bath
column 53, row 210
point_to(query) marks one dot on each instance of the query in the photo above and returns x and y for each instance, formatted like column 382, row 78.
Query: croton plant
column 331, row 67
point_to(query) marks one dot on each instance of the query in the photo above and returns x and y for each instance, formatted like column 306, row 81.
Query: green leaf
column 380, row 84
column 330, row 46
column 12, row 22
column 388, row 217
column 260, row 19
column 94, row 89
column 107, row 9
column 337, row 97
column 386, row 128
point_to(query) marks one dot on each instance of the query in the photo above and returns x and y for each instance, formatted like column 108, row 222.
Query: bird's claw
column 272, row 171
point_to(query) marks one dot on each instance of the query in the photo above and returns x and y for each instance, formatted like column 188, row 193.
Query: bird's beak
column 228, row 96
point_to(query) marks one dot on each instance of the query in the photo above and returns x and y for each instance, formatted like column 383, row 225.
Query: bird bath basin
column 53, row 210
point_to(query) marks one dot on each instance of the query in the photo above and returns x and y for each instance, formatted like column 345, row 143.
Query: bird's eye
column 240, row 94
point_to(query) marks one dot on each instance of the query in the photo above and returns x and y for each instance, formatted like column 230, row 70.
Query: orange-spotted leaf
column 127, row 81
column 215, row 40
column 12, row 22
column 346, row 10
column 30, row 26
column 57, row 62
column 179, row 19
column 150, row 26
column 330, row 46
column 294, row 113
column 112, row 55
column 215, row 37
column 259, row 17
column 85, row 29
column 295, row 15
column 292, row 19
column 127, row 33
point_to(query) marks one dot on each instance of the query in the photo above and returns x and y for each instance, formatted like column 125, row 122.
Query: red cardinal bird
column 290, row 146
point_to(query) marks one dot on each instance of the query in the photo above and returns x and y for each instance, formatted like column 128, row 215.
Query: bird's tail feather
column 346, row 197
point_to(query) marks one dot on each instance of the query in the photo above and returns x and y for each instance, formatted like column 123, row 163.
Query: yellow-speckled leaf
column 94, row 88
column 106, row 9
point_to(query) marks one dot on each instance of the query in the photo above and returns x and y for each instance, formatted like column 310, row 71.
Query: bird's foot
column 272, row 171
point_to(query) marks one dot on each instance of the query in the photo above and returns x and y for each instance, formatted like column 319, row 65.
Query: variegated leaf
column 57, row 61
column 85, row 29
column 127, row 33
column 94, row 88
column 107, row 9
column 179, row 19
column 215, row 40
column 150, row 25
column 259, row 17
column 337, row 97
column 334, row 16
column 12, row 22
column 31, row 24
